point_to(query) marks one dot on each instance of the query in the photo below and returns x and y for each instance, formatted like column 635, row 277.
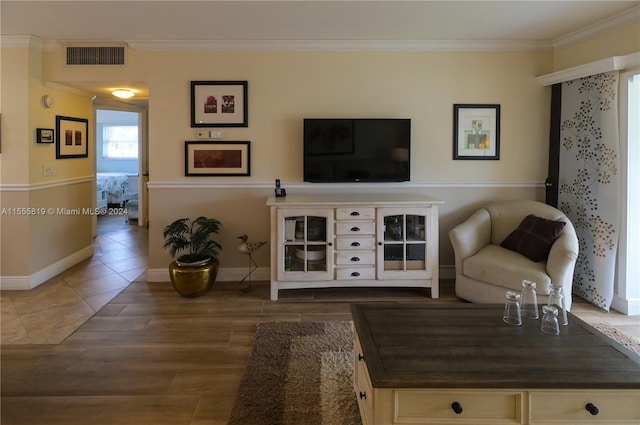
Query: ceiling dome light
column 122, row 93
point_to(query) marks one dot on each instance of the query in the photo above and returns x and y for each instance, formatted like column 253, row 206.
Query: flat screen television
column 356, row 150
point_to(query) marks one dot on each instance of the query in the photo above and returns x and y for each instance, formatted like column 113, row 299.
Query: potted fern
column 194, row 271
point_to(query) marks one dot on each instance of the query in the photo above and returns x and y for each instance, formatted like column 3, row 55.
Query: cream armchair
column 485, row 270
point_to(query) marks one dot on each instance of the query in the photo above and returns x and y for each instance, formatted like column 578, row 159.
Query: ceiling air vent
column 95, row 55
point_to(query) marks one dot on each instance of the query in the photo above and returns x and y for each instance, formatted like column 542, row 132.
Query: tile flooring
column 98, row 344
column 50, row 312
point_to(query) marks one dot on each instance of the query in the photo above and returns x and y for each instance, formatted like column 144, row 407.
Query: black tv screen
column 356, row 150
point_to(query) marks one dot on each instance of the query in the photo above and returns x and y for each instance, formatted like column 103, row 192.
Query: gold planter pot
column 193, row 280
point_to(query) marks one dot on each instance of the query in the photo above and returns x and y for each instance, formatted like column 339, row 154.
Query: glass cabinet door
column 402, row 243
column 306, row 248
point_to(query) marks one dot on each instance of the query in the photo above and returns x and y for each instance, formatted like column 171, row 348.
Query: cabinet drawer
column 356, row 213
column 355, row 242
column 570, row 407
column 355, row 228
column 355, row 273
column 362, row 384
column 355, row 258
column 477, row 407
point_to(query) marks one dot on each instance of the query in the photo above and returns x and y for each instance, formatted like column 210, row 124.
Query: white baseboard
column 224, row 274
column 23, row 283
column 261, row 273
column 630, row 307
column 158, row 275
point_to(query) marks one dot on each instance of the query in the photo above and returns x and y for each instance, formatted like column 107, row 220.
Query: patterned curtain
column 589, row 186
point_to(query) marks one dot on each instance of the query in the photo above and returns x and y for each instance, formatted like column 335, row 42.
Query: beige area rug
column 302, row 373
column 621, row 338
column 299, row 373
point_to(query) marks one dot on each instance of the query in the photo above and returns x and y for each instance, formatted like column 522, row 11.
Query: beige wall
column 284, row 88
column 45, row 236
column 15, row 74
column 620, row 42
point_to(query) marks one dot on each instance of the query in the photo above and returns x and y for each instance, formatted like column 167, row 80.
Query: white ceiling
column 187, row 21
column 302, row 20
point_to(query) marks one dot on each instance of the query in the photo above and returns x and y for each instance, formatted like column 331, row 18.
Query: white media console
column 354, row 241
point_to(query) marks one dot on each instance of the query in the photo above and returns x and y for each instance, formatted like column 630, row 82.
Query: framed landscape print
column 476, row 131
column 71, row 137
column 217, row 158
column 219, row 104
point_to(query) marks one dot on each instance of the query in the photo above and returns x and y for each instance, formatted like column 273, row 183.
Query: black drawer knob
column 355, row 274
column 355, row 213
column 457, row 408
column 360, row 357
column 363, row 395
column 380, row 243
column 355, row 243
column 330, row 244
column 591, row 408
column 355, row 259
column 355, row 229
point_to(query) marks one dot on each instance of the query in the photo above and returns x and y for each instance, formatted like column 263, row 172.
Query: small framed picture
column 219, row 104
column 45, row 135
column 217, row 158
column 72, row 137
column 476, row 131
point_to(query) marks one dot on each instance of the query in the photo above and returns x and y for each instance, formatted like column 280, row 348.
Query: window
column 120, row 141
column 628, row 274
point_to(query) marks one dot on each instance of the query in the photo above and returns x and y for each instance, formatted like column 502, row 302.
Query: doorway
column 121, row 163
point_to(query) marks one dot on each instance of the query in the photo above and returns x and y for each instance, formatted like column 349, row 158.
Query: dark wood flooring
column 152, row 357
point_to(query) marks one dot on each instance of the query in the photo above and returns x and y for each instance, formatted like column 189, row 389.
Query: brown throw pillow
column 533, row 237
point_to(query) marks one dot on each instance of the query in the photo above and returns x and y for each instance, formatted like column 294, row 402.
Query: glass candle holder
column 549, row 324
column 529, row 300
column 556, row 299
column 512, row 314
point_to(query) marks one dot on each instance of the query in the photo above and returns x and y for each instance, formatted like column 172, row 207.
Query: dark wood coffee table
column 459, row 363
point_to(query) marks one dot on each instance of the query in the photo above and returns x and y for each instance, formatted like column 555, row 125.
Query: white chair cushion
column 500, row 266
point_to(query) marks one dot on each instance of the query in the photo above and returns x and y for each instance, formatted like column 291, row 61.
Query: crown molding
column 615, row 63
column 21, row 41
column 337, row 45
column 68, row 89
column 622, row 19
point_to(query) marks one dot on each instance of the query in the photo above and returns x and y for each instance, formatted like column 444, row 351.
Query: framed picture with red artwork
column 219, row 104
column 217, row 158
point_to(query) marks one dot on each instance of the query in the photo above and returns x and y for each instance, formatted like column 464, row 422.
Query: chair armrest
column 469, row 237
column 562, row 258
